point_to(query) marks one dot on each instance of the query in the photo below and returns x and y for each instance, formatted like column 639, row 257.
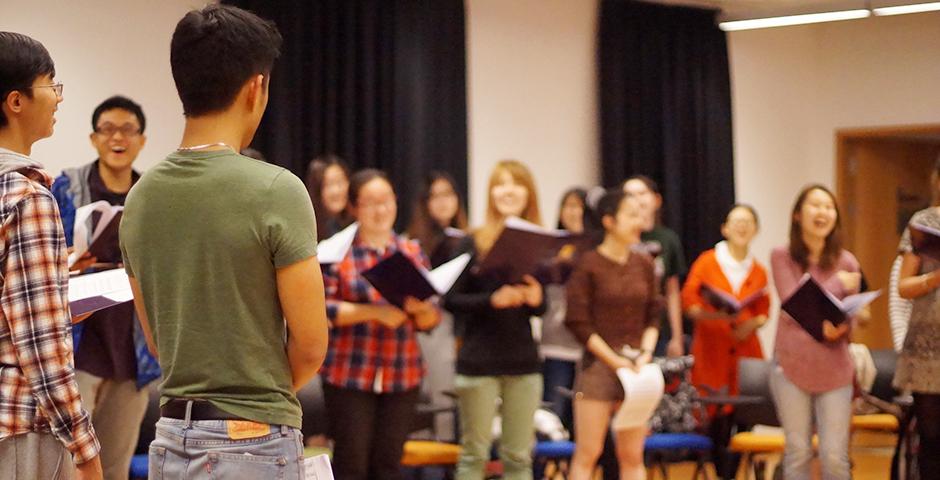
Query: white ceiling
column 742, row 9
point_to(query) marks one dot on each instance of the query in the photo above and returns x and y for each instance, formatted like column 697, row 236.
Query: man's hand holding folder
column 820, row 313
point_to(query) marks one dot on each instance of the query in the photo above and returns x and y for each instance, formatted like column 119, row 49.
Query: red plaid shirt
column 360, row 354
column 38, row 392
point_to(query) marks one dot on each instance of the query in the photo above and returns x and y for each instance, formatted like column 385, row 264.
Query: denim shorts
column 203, row 449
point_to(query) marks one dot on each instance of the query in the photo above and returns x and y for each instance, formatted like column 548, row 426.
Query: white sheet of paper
column 333, row 249
column 517, row 223
column 318, row 468
column 80, row 238
column 642, row 392
column 112, row 284
column 853, row 303
column 443, row 277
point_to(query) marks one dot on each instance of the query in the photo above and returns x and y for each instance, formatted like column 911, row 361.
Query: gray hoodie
column 11, row 161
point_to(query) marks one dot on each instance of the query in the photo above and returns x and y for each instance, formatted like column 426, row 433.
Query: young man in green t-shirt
column 221, row 250
column 670, row 263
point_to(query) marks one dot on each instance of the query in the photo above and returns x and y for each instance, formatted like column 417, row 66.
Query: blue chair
column 139, row 467
column 547, row 452
column 660, row 448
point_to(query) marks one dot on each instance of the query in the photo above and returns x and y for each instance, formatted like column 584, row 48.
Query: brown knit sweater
column 617, row 302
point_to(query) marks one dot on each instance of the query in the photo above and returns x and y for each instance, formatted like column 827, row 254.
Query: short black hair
column 361, row 178
column 22, row 61
column 745, row 206
column 123, row 103
column 216, row 50
column 609, row 204
column 649, row 182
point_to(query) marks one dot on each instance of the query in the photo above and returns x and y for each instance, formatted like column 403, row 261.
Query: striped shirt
column 369, row 356
column 899, row 308
column 38, row 392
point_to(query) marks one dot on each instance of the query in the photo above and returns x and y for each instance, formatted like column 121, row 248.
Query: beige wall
column 531, row 94
column 794, row 87
column 102, row 48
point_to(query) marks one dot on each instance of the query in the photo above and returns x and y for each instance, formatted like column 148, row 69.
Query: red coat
column 714, row 347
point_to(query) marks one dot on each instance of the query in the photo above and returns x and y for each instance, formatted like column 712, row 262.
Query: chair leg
column 702, row 466
column 760, row 469
column 748, row 465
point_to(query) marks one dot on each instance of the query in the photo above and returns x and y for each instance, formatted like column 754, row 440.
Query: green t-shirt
column 670, row 262
column 203, row 233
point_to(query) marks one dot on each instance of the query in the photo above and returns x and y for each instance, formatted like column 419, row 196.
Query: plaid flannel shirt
column 369, row 356
column 38, row 392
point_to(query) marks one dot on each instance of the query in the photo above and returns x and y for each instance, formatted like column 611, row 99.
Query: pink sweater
column 813, row 366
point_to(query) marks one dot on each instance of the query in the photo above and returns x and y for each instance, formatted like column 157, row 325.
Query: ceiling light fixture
column 736, row 25
column 903, row 9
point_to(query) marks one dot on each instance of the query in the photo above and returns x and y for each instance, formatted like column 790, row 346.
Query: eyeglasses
column 387, row 203
column 56, row 87
column 109, row 129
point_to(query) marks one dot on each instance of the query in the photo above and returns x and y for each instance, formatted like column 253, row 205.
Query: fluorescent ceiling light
column 793, row 20
column 902, row 9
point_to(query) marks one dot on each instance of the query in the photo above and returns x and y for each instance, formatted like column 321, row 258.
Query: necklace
column 201, row 147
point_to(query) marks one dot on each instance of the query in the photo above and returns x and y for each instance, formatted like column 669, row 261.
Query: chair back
column 753, row 380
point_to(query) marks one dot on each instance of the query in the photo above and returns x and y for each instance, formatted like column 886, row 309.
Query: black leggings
column 927, row 413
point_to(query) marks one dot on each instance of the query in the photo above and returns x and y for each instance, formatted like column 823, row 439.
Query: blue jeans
column 833, row 413
column 203, row 450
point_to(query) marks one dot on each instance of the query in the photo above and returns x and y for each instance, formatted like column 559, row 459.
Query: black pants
column 927, row 413
column 368, row 431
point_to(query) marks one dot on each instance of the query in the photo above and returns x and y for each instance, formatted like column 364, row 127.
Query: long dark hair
column 327, row 223
column 425, row 229
column 582, row 197
column 833, row 246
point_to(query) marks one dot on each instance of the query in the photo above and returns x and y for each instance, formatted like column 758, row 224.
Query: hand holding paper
column 642, row 392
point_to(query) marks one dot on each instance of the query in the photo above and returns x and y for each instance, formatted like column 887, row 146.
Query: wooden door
column 883, row 178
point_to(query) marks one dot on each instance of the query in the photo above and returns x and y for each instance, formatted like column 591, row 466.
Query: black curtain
column 665, row 108
column 381, row 83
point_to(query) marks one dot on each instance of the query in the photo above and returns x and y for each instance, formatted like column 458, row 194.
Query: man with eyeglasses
column 43, row 427
column 112, row 363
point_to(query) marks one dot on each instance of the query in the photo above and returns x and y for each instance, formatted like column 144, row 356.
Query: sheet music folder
column 397, row 277
column 810, row 305
column 727, row 302
column 524, row 248
column 97, row 291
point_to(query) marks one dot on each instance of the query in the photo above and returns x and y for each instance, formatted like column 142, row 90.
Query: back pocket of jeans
column 245, row 466
column 155, row 460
